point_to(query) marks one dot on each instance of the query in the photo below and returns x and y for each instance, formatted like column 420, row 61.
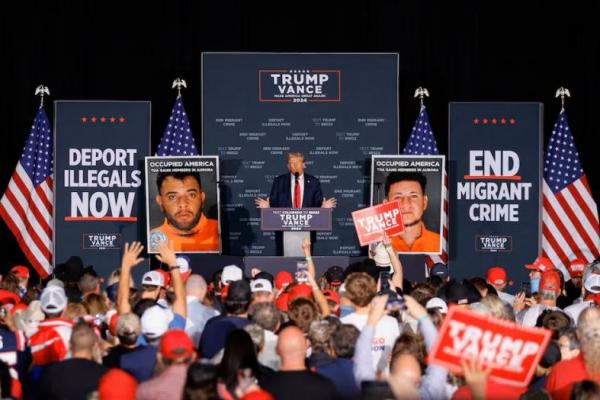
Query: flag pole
column 42, row 90
column 421, row 93
column 562, row 92
column 179, row 83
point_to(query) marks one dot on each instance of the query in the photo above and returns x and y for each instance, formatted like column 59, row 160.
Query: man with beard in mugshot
column 408, row 189
column 185, row 227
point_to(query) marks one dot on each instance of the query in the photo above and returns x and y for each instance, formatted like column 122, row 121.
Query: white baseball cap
column 261, row 285
column 592, row 284
column 436, row 302
column 153, row 278
column 231, row 273
column 53, row 299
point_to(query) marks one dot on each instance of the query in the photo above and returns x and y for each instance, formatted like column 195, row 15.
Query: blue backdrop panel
column 337, row 109
column 99, row 180
column 494, row 171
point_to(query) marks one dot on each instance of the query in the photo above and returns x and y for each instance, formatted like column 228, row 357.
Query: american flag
column 422, row 142
column 26, row 205
column 177, row 140
column 570, row 215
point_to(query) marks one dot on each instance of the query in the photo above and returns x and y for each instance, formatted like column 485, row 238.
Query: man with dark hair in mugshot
column 408, row 188
column 185, row 227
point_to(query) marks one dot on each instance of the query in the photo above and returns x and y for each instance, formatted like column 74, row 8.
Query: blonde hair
column 294, row 154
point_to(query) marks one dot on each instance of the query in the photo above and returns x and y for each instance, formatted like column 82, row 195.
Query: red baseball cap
column 166, row 277
column 282, row 302
column 332, row 295
column 176, row 345
column 576, row 267
column 20, row 271
column 283, row 279
column 541, row 264
column 112, row 324
column 117, row 384
column 224, row 291
column 496, row 275
column 19, row 306
column 550, row 281
column 8, row 297
column 300, row 290
column 257, row 395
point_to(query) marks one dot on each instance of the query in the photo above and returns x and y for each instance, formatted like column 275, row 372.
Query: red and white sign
column 371, row 223
column 511, row 350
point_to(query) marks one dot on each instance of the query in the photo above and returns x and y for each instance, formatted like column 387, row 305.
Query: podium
column 296, row 225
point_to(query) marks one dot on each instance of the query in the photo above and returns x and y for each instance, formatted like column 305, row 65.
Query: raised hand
column 476, row 376
column 306, row 247
column 131, row 255
column 377, row 309
column 262, row 203
column 385, row 240
column 329, row 203
column 166, row 255
column 415, row 309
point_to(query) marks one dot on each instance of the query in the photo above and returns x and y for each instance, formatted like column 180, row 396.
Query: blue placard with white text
column 99, row 180
column 494, row 175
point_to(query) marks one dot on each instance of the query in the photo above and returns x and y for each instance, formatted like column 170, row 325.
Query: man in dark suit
column 295, row 189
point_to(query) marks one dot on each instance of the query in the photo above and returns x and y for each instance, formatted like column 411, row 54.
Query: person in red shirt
column 408, row 188
column 586, row 365
column 51, row 342
column 185, row 227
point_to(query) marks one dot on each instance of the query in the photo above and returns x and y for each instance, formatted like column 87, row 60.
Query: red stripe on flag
column 40, row 268
column 585, row 208
column 31, row 205
column 32, row 233
column 547, row 235
column 574, row 220
column 42, row 195
column 549, row 208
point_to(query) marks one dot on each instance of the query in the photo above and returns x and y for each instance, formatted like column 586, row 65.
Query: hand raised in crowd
column 519, row 302
column 476, row 376
column 166, row 255
column 377, row 309
column 262, row 203
column 131, row 255
column 413, row 307
column 254, row 271
column 306, row 247
column 329, row 202
column 386, row 241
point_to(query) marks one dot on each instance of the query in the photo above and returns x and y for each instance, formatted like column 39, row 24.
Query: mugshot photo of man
column 409, row 189
column 185, row 227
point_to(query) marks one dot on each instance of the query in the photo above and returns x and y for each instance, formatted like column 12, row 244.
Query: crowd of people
column 360, row 331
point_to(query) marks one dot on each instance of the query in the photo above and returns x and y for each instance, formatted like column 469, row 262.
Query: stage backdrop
column 337, row 109
column 99, row 187
column 494, row 166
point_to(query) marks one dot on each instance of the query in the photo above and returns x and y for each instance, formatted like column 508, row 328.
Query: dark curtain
column 459, row 50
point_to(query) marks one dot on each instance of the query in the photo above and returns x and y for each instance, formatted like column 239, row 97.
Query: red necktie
column 297, row 194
